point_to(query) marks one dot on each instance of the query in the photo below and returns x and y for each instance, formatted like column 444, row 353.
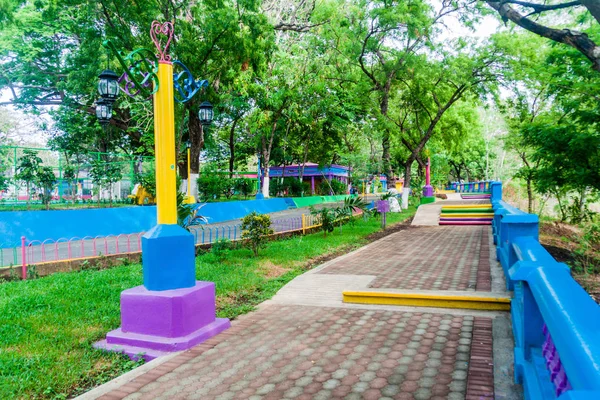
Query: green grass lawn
column 48, row 325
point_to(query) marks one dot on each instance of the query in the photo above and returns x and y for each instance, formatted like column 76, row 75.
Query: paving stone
column 292, row 351
column 406, row 267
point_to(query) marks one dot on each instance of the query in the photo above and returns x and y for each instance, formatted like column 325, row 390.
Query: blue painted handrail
column 470, row 187
column 556, row 324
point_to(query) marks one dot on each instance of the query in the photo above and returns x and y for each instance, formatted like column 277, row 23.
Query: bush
column 147, row 180
column 245, row 186
column 210, row 187
column 255, row 230
column 326, row 217
column 337, row 187
column 219, row 248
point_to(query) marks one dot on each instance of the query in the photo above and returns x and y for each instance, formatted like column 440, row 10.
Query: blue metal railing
column 470, row 187
column 556, row 324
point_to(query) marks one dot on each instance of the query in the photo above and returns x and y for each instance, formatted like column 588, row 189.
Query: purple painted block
column 158, row 322
column 383, row 206
column 168, row 313
column 428, row 191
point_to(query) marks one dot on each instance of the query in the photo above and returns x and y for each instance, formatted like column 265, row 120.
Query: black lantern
column 206, row 113
column 108, row 85
column 103, row 111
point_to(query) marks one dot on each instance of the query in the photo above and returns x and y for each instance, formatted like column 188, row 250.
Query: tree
column 46, row 181
column 70, row 175
column 27, row 169
column 244, row 186
column 514, row 11
column 4, row 183
column 105, row 174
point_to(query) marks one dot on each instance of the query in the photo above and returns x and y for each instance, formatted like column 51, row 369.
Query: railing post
column 303, row 224
column 511, row 227
column 496, row 192
column 23, row 259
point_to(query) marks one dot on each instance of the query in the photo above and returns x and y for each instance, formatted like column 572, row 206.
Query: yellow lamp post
column 171, row 311
column 189, row 199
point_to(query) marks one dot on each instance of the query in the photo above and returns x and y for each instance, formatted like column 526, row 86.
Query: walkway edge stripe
column 428, row 300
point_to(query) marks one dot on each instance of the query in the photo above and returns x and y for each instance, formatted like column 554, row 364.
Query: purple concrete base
column 158, row 322
column 427, row 191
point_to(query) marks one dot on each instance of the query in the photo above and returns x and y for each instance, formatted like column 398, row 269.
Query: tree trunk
column 265, row 186
column 196, row 132
column 385, row 141
column 529, row 195
column 232, row 147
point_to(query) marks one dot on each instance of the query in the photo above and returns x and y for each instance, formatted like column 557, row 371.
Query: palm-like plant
column 187, row 214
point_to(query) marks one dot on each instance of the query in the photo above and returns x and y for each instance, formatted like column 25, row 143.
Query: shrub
column 210, row 187
column 187, row 214
column 338, row 187
column 219, row 247
column 245, row 186
column 326, row 217
column 255, row 230
column 289, row 187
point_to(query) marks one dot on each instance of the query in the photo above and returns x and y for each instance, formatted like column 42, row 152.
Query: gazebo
column 312, row 173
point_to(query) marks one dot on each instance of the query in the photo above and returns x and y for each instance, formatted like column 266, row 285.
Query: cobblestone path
column 306, row 344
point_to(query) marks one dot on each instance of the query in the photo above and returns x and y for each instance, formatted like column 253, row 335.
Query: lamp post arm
column 139, row 63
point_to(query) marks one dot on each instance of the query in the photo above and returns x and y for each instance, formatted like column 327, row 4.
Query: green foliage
column 104, row 174
column 147, row 179
column 47, row 182
column 211, row 186
column 289, row 187
column 326, row 217
column 338, row 187
column 586, row 252
column 245, row 186
column 187, row 214
column 4, row 182
column 27, row 168
column 344, row 213
column 219, row 248
column 256, row 229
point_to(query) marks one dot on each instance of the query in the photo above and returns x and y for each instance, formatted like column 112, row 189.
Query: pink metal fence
column 36, row 252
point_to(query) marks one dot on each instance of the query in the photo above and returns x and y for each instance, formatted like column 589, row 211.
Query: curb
column 489, row 303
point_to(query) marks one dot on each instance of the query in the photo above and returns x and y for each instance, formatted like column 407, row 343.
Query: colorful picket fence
column 37, row 252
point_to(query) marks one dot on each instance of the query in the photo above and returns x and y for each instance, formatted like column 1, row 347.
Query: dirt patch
column 591, row 283
column 389, row 230
column 560, row 229
column 271, row 270
column 224, row 301
column 561, row 240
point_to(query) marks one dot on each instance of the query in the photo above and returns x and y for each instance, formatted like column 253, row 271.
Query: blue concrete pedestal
column 168, row 258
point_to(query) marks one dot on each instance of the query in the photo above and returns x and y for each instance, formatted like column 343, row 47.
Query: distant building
column 313, row 174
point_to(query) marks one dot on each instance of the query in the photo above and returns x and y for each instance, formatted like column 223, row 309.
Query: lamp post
column 259, row 195
column 189, row 199
column 171, row 311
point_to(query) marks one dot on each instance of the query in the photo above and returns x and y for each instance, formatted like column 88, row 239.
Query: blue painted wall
column 42, row 225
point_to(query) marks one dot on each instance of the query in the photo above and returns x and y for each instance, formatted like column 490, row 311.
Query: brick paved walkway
column 306, row 344
column 424, row 258
column 321, row 353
